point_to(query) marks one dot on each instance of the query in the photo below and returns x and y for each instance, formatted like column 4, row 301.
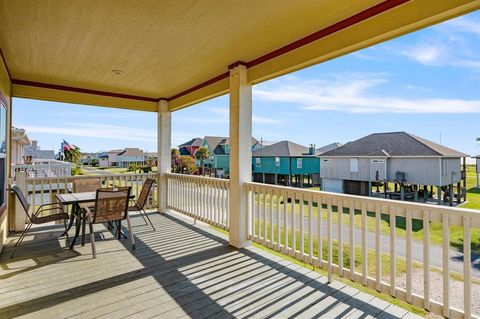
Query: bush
column 132, row 167
column 76, row 171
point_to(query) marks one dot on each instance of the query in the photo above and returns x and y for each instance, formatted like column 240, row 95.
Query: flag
column 66, row 146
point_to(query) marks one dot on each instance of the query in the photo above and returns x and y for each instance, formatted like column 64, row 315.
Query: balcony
column 181, row 270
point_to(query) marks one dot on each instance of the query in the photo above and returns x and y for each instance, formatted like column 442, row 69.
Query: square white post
column 164, row 137
column 240, row 154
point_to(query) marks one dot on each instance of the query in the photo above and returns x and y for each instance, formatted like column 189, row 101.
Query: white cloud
column 463, row 24
column 218, row 115
column 425, row 53
column 351, row 93
column 97, row 131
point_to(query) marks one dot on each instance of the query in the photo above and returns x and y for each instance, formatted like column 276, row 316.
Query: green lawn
column 436, row 230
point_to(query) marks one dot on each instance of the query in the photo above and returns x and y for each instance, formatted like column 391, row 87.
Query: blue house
column 286, row 163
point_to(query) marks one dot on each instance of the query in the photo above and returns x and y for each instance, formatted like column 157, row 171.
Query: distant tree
column 202, row 154
column 174, row 155
column 187, row 164
column 73, row 154
column 94, row 162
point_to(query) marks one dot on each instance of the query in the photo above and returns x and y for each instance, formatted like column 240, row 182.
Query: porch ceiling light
column 117, row 72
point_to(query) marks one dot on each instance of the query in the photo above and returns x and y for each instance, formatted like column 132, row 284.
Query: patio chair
column 111, row 205
column 139, row 204
column 82, row 185
column 36, row 217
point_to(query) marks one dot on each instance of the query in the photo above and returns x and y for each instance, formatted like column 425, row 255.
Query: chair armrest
column 49, row 207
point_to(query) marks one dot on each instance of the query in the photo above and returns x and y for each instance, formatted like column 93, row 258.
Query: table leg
column 70, row 224
column 77, row 231
column 84, row 225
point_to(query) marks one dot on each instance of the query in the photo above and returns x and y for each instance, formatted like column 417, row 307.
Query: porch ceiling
column 173, row 49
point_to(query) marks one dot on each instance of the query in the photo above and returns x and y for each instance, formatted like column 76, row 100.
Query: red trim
column 5, row 63
column 81, row 90
column 348, row 22
column 199, row 86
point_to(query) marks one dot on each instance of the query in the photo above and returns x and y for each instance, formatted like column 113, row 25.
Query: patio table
column 75, row 199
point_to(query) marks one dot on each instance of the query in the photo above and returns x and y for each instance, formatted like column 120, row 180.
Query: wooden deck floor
column 179, row 271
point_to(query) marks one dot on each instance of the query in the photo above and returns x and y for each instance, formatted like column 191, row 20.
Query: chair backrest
column 81, row 185
column 111, row 204
column 142, row 198
column 23, row 200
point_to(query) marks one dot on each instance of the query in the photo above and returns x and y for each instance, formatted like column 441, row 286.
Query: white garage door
column 332, row 185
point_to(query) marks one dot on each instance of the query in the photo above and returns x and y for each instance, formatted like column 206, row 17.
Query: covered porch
column 160, row 57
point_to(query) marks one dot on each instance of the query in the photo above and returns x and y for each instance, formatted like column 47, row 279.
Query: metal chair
column 111, row 205
column 139, row 204
column 36, row 218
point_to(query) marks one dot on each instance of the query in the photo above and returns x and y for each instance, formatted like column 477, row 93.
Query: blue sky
column 426, row 83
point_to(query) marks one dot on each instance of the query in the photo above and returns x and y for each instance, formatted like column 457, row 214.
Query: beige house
column 19, row 141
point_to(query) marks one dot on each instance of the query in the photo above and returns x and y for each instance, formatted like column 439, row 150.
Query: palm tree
column 73, row 155
column 202, row 154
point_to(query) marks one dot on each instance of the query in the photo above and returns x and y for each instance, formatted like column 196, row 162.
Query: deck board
column 179, row 271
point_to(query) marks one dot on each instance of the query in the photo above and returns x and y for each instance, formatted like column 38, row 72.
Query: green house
column 286, row 163
column 219, row 149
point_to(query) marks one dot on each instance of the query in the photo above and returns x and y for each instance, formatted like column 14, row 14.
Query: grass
column 436, row 230
column 400, row 266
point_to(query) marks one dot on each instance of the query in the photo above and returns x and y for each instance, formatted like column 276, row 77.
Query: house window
column 354, row 165
column 326, row 160
column 299, row 163
column 258, row 162
column 277, row 161
column 378, row 161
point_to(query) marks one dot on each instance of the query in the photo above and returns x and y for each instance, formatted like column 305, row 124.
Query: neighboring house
column 281, row 162
column 112, row 158
column 408, row 161
column 219, row 149
column 189, row 148
column 19, row 141
column 102, row 159
column 130, row 156
column 35, row 152
column 151, row 158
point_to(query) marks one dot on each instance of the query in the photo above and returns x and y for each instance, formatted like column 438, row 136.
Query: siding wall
column 310, row 165
column 422, row 171
column 268, row 165
column 5, row 92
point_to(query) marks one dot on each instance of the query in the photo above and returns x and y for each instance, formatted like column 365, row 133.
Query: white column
column 164, row 137
column 240, row 153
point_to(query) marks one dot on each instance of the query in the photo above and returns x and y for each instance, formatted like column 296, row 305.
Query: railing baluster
column 302, row 232
column 467, row 270
column 310, row 229
column 285, row 220
column 393, row 264
column 340, row 236
column 264, row 217
column 408, row 242
column 294, row 226
column 426, row 260
column 364, row 244
column 446, row 270
column 320, row 231
column 272, row 239
column 329, row 239
column 352, row 240
column 378, row 251
column 277, row 210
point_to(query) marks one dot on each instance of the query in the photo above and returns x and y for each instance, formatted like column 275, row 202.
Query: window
column 326, row 160
column 299, row 163
column 354, row 165
column 378, row 161
column 258, row 162
column 277, row 161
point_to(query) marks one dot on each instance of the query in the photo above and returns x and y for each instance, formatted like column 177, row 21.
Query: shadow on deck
column 181, row 270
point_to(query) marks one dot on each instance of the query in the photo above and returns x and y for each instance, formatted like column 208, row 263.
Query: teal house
column 286, row 163
column 219, row 150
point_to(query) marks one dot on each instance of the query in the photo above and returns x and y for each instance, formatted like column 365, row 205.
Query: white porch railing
column 42, row 190
column 202, row 198
column 55, row 169
column 289, row 220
